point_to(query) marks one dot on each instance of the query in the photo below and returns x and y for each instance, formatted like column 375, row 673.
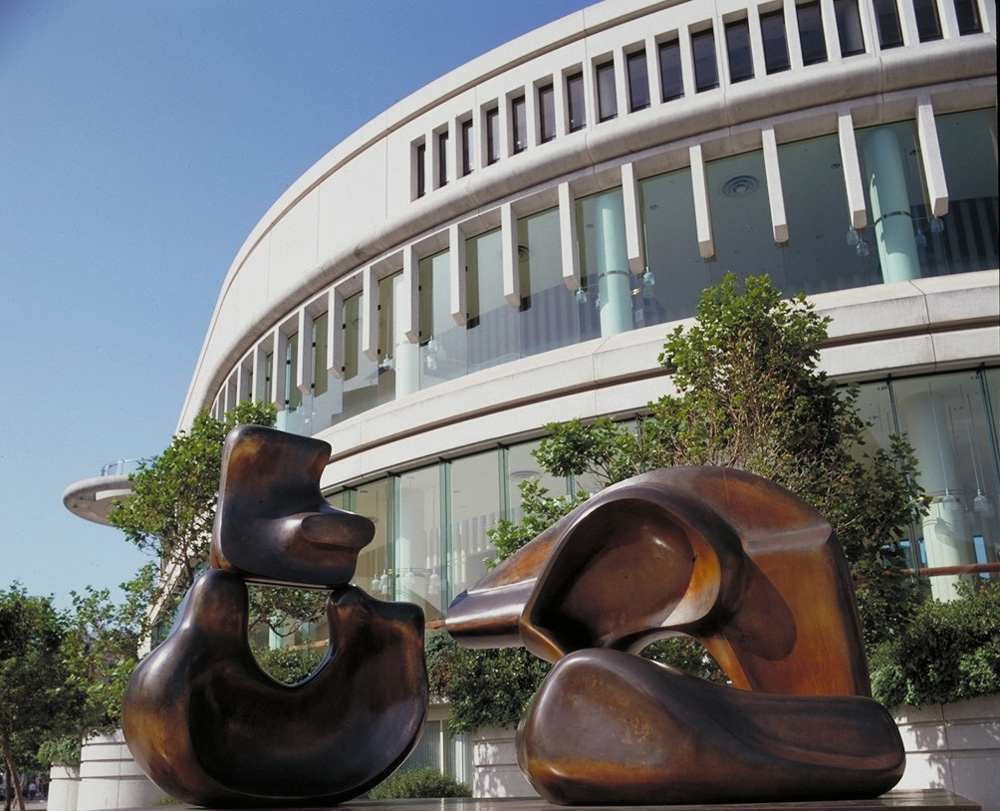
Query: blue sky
column 140, row 142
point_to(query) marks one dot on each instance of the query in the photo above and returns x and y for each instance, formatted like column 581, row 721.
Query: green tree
column 750, row 396
column 37, row 696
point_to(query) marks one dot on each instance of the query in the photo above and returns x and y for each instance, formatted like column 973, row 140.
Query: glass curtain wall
column 475, row 507
column 492, row 332
column 442, row 341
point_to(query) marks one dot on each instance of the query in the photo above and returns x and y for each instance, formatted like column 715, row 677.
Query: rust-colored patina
column 207, row 724
column 734, row 561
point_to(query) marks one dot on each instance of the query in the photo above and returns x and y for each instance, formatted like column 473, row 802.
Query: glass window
column 638, row 81
column 468, row 151
column 321, row 331
column 492, row 333
column 818, row 257
column 738, row 48
column 772, row 28
column 575, row 101
column 967, row 14
column 374, row 572
column 475, row 509
column 442, row 156
column 810, row 20
column 887, row 20
column 420, row 158
column 946, row 419
column 607, row 95
column 519, row 123
column 293, row 395
column 852, row 41
column 928, row 23
column 676, row 272
column 550, row 315
column 265, row 378
column 493, row 135
column 442, row 341
column 419, row 541
column 604, row 266
column 670, row 70
column 706, row 70
column 965, row 239
column 522, row 466
column 546, row 113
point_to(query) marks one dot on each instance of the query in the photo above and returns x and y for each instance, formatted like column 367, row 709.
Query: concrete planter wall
column 495, row 772
column 110, row 779
column 64, row 787
column 955, row 747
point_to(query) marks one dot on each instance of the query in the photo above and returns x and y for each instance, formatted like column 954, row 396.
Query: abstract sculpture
column 739, row 564
column 202, row 719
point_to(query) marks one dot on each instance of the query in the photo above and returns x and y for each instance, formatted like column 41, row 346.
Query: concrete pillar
column 612, row 265
column 897, row 246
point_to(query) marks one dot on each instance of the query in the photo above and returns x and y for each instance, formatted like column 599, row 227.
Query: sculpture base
column 915, row 799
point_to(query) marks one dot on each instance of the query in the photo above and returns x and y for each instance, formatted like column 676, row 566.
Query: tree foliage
column 38, row 699
column 750, row 396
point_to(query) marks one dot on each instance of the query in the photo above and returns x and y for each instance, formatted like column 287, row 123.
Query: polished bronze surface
column 207, row 724
column 209, row 727
column 272, row 524
column 727, row 558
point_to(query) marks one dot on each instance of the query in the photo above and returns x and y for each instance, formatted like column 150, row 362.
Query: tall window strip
column 442, row 158
column 546, row 113
column 772, row 28
column 967, row 15
column 321, row 378
column 493, row 135
column 738, row 50
column 928, row 22
column 468, row 151
column 638, row 81
column 519, row 123
column 607, row 96
column 420, row 158
column 706, row 69
column 575, row 101
column 852, row 41
column 810, row 19
column 890, row 35
column 671, row 75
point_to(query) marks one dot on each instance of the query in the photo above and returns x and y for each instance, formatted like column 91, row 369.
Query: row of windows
column 669, row 62
column 520, row 298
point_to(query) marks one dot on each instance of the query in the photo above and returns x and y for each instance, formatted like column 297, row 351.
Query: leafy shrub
column 425, row 781
column 949, row 652
column 289, row 665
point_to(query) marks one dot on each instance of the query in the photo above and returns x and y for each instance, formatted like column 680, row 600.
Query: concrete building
column 509, row 245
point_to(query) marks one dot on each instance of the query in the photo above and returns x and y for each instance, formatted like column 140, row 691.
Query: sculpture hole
column 288, row 631
column 686, row 654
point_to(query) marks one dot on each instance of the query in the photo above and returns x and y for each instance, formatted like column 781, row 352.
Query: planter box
column 64, row 786
column 955, row 747
column 495, row 772
column 110, row 779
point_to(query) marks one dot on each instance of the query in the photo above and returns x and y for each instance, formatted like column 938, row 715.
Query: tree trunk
column 8, row 756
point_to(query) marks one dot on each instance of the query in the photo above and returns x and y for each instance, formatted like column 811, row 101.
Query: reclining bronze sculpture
column 202, row 719
column 739, row 564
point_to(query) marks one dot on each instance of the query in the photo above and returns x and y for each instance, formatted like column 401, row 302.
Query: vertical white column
column 304, row 362
column 280, row 346
column 930, row 156
column 852, row 170
column 335, row 341
column 897, row 246
column 456, row 274
column 567, row 238
column 369, row 318
column 633, row 224
column 612, row 265
column 775, row 193
column 406, row 328
column 508, row 253
column 702, row 213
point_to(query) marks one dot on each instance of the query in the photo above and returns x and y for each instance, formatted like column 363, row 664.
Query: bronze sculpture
column 733, row 561
column 201, row 718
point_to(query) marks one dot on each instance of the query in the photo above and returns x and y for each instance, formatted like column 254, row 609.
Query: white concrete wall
column 495, row 772
column 110, row 779
column 64, row 787
column 955, row 747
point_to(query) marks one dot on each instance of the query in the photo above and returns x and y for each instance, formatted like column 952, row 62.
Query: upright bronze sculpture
column 201, row 718
column 727, row 558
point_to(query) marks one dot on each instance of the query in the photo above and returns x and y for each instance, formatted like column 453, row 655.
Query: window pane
column 638, row 81
column 519, row 124
column 676, row 271
column 607, row 97
column 670, row 70
column 772, row 27
column 420, row 158
column 967, row 12
column 360, row 378
column 492, row 135
column 811, row 33
column 442, row 341
column 468, row 151
column 492, row 332
column 928, row 24
column 293, row 395
column 849, row 27
column 374, row 566
column 442, row 156
column 546, row 113
column 706, row 71
column 887, row 19
column 475, row 509
column 522, row 466
column 577, row 108
column 321, row 331
column 418, row 542
column 738, row 48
